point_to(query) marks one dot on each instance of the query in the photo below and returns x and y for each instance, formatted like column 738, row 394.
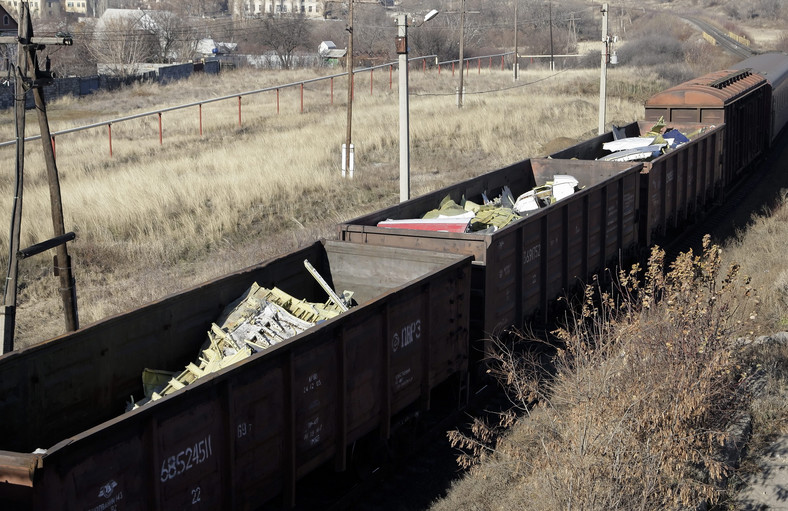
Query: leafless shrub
column 651, row 51
column 782, row 44
column 644, row 385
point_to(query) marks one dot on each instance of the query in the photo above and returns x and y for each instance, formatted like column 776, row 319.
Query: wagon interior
column 64, row 386
column 519, row 178
column 593, row 149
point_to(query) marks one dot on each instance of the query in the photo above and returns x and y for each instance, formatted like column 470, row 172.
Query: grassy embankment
column 154, row 219
column 642, row 402
column 653, row 384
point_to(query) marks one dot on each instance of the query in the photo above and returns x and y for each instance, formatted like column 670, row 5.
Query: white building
column 12, row 6
column 310, row 8
column 78, row 6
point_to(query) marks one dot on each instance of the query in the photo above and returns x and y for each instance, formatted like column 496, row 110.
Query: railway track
column 722, row 38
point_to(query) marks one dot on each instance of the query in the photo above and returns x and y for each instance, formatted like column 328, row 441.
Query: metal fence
column 423, row 62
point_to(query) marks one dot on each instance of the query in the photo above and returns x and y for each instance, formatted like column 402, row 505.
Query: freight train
column 242, row 437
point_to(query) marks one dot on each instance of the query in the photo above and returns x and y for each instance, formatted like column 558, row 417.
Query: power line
column 493, row 91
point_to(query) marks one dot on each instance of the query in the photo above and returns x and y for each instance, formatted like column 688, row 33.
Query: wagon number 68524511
column 176, row 465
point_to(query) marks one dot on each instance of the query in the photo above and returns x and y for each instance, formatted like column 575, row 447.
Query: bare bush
column 124, row 43
column 284, row 34
column 782, row 44
column 651, row 51
column 645, row 383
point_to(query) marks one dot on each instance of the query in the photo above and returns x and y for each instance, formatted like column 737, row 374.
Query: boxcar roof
column 773, row 66
column 715, row 89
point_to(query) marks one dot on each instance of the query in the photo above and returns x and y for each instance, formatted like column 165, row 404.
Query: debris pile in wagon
column 257, row 320
column 490, row 215
column 657, row 141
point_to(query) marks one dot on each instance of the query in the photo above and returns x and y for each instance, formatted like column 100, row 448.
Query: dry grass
column 154, row 218
column 636, row 413
column 618, row 417
column 762, row 249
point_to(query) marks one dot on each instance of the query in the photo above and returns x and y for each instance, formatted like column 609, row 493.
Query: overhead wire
column 491, row 91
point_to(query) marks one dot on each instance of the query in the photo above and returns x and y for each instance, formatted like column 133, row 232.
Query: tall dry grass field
column 156, row 217
column 635, row 416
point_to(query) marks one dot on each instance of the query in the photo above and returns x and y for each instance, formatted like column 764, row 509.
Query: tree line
column 170, row 31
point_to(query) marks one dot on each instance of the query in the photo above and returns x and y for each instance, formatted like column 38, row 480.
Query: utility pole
column 461, row 91
column 463, row 12
column 603, row 77
column 552, row 53
column 29, row 76
column 572, row 30
column 62, row 261
column 349, row 138
column 516, row 67
column 9, row 299
column 404, row 110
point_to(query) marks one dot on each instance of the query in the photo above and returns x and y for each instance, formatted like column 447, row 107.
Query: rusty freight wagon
column 674, row 185
column 737, row 98
column 239, row 437
column 521, row 267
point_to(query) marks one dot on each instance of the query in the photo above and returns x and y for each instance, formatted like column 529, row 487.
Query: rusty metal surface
column 519, row 268
column 241, row 436
column 738, row 98
column 675, row 185
column 716, row 90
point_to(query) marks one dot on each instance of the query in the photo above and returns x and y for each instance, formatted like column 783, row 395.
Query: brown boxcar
column 520, row 268
column 739, row 99
column 236, row 438
column 675, row 185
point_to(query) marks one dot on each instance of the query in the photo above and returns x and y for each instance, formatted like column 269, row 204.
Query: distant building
column 77, row 6
column 329, row 52
column 39, row 8
column 8, row 24
column 13, row 6
column 309, row 8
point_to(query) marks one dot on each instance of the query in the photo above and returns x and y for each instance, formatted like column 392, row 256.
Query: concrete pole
column 516, row 67
column 349, row 137
column 462, row 55
column 603, row 77
column 552, row 53
column 404, row 110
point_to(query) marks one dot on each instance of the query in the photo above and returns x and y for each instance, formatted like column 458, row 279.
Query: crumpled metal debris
column 560, row 187
column 656, row 142
column 491, row 214
column 257, row 320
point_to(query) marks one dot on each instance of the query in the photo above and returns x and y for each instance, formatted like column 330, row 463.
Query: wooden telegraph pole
column 27, row 77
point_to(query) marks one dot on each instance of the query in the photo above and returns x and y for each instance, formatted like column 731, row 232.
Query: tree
column 374, row 32
column 284, row 34
column 124, row 42
column 177, row 37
